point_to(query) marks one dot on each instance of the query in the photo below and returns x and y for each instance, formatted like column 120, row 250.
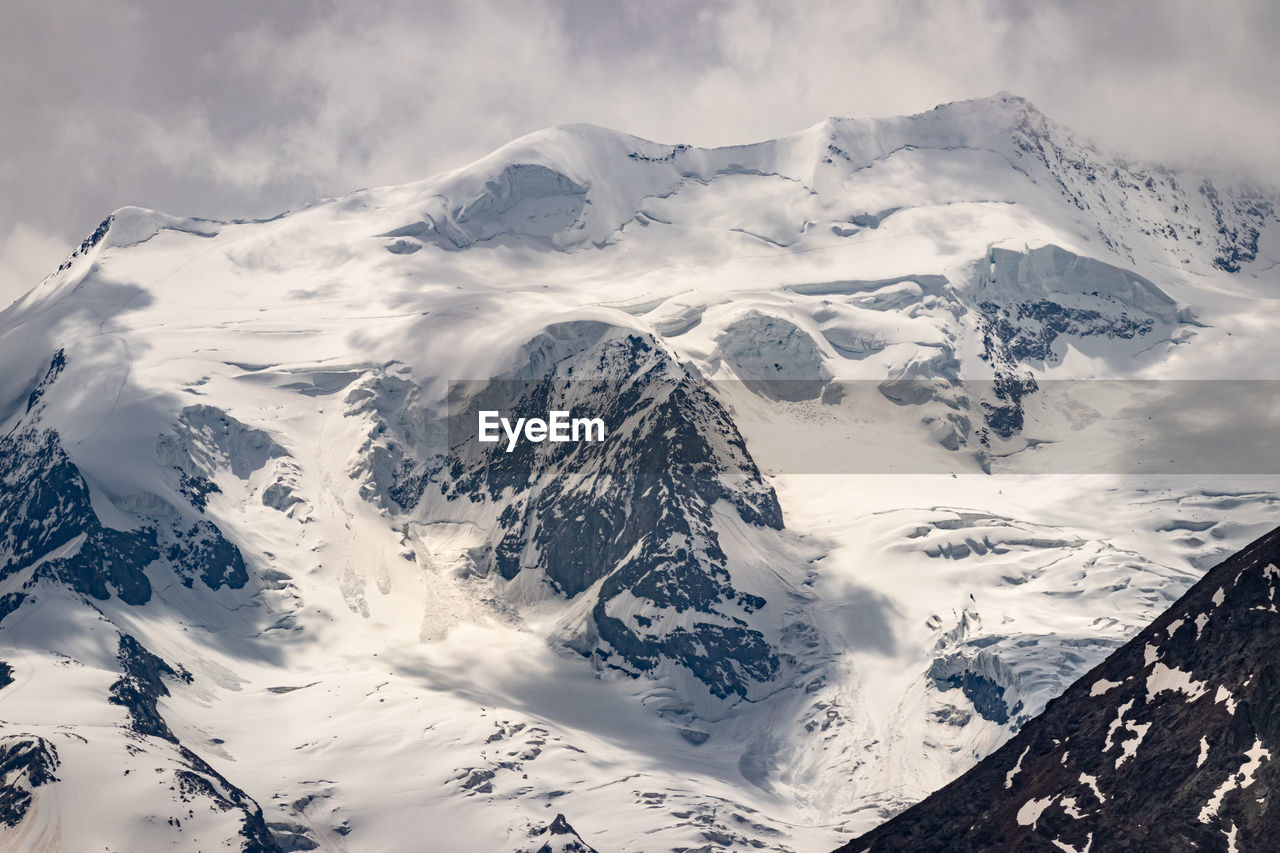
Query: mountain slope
column 256, row 568
column 1166, row 745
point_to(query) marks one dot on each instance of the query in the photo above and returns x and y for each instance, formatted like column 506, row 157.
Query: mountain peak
column 997, row 102
column 559, row 837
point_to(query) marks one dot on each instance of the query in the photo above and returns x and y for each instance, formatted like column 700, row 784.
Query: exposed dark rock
column 88, row 242
column 1028, row 301
column 139, row 690
column 26, row 763
column 56, row 366
column 666, row 157
column 140, row 687
column 632, row 513
column 46, row 504
column 410, row 480
column 1148, row 198
column 557, row 837
column 1239, row 222
column 986, row 695
column 1026, row 330
column 9, row 602
column 196, row 489
column 952, row 716
column 479, row 780
column 202, row 551
column 1170, row 744
column 202, row 781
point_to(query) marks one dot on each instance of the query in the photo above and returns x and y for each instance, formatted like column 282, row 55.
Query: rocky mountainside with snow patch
column 1166, row 745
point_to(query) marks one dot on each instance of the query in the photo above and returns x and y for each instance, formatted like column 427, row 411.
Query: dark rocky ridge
column 139, row 689
column 46, row 505
column 141, row 686
column 1166, row 745
column 26, row 763
column 558, row 837
column 633, row 513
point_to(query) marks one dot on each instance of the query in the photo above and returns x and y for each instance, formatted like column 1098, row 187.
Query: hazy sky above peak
column 237, row 108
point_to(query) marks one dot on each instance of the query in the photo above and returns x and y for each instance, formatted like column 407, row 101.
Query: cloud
column 245, row 109
column 27, row 256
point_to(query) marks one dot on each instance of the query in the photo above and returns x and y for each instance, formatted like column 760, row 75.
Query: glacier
column 260, row 587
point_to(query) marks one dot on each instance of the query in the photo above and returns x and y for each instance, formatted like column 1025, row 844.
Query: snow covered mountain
column 1164, row 746
column 261, row 587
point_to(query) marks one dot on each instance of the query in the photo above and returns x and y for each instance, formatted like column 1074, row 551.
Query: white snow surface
column 373, row 664
column 1242, row 779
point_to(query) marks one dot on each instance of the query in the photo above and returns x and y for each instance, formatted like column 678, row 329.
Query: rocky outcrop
column 52, row 527
column 557, row 837
column 627, row 521
column 27, row 762
column 1166, row 745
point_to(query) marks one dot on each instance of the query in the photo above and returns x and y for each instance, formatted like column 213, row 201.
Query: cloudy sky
column 248, row 108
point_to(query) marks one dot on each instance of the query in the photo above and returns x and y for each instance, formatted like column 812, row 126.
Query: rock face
column 1166, row 745
column 26, row 763
column 1027, row 301
column 54, row 542
column 48, row 504
column 49, row 513
column 558, row 837
column 628, row 523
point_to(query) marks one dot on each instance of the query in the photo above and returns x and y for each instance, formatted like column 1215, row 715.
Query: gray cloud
column 244, row 109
